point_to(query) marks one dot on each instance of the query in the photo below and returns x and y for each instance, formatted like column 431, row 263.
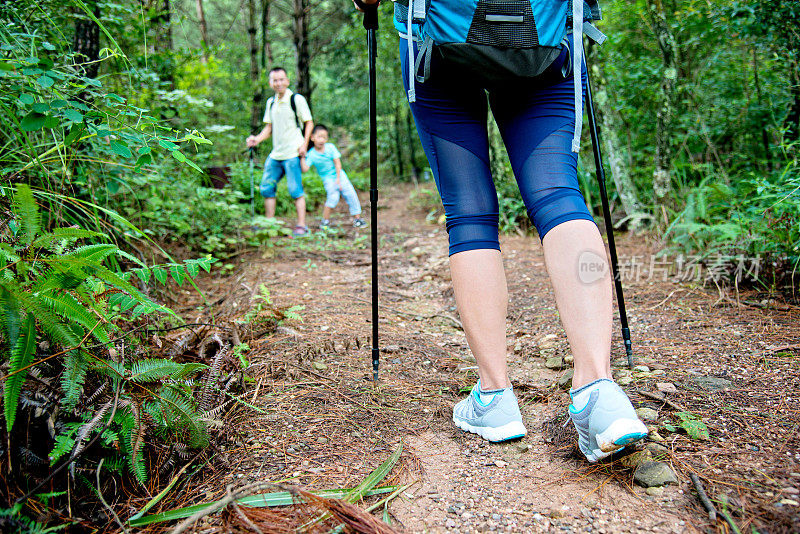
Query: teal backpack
column 498, row 41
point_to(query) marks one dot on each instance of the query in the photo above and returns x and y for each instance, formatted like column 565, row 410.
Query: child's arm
column 337, row 162
column 304, row 166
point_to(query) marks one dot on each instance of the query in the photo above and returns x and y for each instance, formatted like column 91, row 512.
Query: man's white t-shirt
column 286, row 136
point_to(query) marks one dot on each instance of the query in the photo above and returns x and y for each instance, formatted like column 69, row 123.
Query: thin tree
column 662, row 185
column 201, row 17
column 255, row 86
column 300, row 39
column 266, row 46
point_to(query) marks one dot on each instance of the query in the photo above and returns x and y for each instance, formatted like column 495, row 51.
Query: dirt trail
column 327, row 426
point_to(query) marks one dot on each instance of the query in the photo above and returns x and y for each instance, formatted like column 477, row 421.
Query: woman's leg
column 584, row 301
column 479, row 284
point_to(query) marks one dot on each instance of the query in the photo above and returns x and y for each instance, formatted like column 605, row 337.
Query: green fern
column 21, row 356
column 25, row 207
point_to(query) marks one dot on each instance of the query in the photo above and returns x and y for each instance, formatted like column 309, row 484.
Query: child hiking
column 327, row 160
column 288, row 120
column 453, row 55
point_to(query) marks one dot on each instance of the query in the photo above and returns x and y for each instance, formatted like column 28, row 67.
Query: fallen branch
column 701, row 493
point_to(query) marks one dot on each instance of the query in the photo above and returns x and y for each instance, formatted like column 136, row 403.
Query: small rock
column 793, row 491
column 497, row 517
column 659, row 452
column 523, row 447
column 642, row 369
column 655, row 491
column 565, row 380
column 658, row 372
column 569, row 358
column 319, row 366
column 500, row 463
column 711, row 383
column 666, row 387
column 391, row 348
column 653, row 434
column 789, row 502
column 397, row 361
column 322, row 439
column 647, row 414
column 636, row 459
column 650, row 474
column 466, row 515
column 556, row 362
column 548, row 341
column 450, row 523
column 624, row 380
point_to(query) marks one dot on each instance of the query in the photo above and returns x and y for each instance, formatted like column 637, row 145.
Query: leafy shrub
column 52, row 286
column 755, row 216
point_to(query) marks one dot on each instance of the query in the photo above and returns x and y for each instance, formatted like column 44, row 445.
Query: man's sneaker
column 300, row 231
column 324, row 223
column 495, row 418
column 604, row 418
column 358, row 222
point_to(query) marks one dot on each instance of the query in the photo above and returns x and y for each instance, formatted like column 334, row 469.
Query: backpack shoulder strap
column 270, row 101
column 294, row 110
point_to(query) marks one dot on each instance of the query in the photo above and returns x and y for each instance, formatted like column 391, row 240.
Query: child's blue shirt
column 323, row 161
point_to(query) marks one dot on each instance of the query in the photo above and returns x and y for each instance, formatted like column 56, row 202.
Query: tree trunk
column 163, row 42
column 300, row 38
column 266, row 46
column 255, row 86
column 86, row 43
column 612, row 149
column 201, row 16
column 793, row 118
column 398, row 144
column 662, row 184
column 412, row 145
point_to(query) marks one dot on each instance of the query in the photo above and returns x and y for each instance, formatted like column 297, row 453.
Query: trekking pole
column 601, row 179
column 252, row 183
column 371, row 25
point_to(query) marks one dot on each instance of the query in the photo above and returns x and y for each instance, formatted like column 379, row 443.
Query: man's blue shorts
column 536, row 121
column 275, row 169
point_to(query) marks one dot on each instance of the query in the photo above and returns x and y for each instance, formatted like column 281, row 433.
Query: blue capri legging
column 536, row 123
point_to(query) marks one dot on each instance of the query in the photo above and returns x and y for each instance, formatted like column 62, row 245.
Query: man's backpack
column 271, row 100
column 498, row 41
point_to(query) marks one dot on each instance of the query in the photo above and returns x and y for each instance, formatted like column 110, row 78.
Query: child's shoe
column 493, row 415
column 358, row 222
column 300, row 231
column 604, row 418
column 324, row 224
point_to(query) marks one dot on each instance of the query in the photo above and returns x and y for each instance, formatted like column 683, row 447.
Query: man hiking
column 288, row 120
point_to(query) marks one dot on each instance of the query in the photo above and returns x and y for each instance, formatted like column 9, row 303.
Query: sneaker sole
column 621, row 433
column 512, row 430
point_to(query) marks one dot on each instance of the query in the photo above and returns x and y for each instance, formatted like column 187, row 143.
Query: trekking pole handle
column 370, row 9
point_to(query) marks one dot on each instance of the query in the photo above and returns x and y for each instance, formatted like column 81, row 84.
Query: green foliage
column 757, row 216
column 263, row 311
column 12, row 520
column 693, row 426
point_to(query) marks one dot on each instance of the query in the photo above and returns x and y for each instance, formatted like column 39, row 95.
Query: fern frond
column 10, row 315
column 64, row 233
column 210, row 381
column 153, row 370
column 188, row 369
column 8, row 253
column 75, row 366
column 57, row 278
column 85, row 430
column 66, row 306
column 181, row 411
column 24, row 205
column 21, row 356
column 64, row 442
column 138, row 438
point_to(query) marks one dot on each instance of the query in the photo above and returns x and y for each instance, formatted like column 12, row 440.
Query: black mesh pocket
column 504, row 24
